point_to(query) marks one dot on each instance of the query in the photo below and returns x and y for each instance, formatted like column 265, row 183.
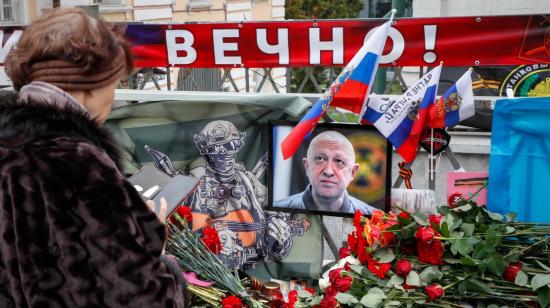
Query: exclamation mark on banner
column 429, row 43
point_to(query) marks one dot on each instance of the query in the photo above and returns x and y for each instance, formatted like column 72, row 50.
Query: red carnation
column 211, row 239
column 425, row 234
column 182, row 212
column 512, row 271
column 327, row 302
column 344, row 252
column 232, row 302
column 402, row 267
column 434, row 291
column 435, row 220
column 292, row 298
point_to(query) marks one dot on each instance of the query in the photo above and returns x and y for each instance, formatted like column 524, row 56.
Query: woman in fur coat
column 73, row 231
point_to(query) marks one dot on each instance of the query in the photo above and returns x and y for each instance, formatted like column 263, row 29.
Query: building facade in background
column 22, row 12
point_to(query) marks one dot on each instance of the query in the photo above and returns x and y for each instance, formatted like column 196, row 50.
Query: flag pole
column 364, row 107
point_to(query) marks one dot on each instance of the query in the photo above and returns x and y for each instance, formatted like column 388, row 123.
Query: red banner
column 457, row 41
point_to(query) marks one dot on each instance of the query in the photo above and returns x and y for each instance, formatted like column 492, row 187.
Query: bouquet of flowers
column 462, row 257
column 215, row 284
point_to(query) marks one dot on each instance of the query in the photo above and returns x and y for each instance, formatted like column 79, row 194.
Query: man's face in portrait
column 330, row 167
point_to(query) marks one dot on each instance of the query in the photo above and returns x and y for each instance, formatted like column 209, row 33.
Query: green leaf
column 495, row 263
column 444, row 229
column 315, row 301
column 462, row 287
column 373, row 298
column 359, row 269
column 521, row 279
column 395, row 281
column 464, row 245
column 467, row 260
column 467, row 228
column 392, row 304
column 346, row 299
column 431, row 273
column 413, row 279
column 455, row 226
column 384, row 255
column 475, row 285
column 443, row 210
column 543, row 265
column 540, row 280
column 451, row 260
column 495, row 216
column 420, row 218
column 463, row 208
column 544, row 296
column 304, row 294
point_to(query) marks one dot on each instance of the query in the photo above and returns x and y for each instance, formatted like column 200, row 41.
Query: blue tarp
column 519, row 165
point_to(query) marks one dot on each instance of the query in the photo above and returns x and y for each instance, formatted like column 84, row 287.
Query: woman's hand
column 161, row 214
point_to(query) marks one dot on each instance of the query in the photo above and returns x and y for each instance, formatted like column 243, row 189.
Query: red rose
column 343, row 284
column 334, row 275
column 185, row 212
column 357, row 217
column 379, row 269
column 435, row 220
column 431, row 253
column 434, row 291
column 347, row 267
column 453, row 199
column 352, row 242
column 232, row 302
column 362, row 253
column 331, row 292
column 328, row 302
column 211, row 239
column 344, row 252
column 425, row 234
column 511, row 271
column 402, row 267
column 404, row 215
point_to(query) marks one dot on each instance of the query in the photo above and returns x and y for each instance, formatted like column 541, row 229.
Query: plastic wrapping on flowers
column 464, row 256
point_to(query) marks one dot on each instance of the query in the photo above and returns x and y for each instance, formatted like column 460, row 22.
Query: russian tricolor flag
column 376, row 107
column 403, row 122
column 348, row 91
column 455, row 105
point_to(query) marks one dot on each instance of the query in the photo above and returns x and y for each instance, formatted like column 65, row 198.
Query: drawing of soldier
column 231, row 199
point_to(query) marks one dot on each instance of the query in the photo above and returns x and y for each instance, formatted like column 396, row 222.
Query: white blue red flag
column 403, row 122
column 455, row 105
column 348, row 91
column 376, row 106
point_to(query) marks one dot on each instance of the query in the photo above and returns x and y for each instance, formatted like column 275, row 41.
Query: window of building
column 56, row 3
column 6, row 10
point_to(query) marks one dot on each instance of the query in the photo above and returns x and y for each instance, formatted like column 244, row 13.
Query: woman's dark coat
column 73, row 231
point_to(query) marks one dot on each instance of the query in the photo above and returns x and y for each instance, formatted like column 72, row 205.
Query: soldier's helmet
column 219, row 137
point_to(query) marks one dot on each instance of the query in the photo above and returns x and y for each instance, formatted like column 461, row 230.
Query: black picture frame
column 360, row 136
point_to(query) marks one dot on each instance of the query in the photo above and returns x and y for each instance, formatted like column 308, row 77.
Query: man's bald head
column 331, row 137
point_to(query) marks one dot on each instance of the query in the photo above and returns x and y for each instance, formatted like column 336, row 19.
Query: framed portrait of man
column 337, row 170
